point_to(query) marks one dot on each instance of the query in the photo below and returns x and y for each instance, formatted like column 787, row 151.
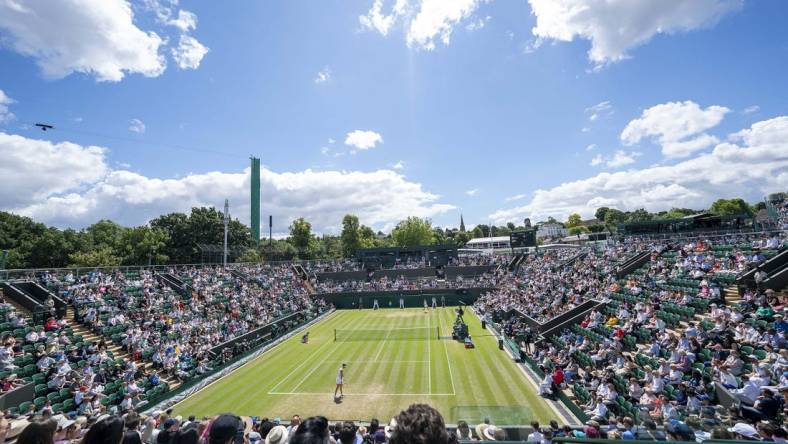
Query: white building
column 551, row 229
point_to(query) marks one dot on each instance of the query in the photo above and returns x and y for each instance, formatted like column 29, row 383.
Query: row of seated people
column 664, row 341
column 544, row 288
column 485, row 280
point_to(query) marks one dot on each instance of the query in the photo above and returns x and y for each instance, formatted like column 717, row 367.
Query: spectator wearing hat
column 169, row 429
column 744, row 431
column 277, row 435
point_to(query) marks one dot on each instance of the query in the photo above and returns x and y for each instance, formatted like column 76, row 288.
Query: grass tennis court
column 386, row 372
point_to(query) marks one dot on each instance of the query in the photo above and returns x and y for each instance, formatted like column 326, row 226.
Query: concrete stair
column 731, row 295
column 116, row 350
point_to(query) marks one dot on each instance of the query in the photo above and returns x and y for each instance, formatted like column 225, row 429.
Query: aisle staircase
column 731, row 295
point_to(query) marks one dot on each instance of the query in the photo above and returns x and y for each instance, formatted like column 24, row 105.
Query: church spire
column 462, row 225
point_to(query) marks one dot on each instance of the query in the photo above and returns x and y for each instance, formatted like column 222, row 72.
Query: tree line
column 174, row 238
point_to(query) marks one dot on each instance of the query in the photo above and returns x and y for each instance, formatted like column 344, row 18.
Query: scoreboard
column 521, row 239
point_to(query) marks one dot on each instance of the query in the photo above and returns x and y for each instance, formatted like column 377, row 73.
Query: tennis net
column 387, row 334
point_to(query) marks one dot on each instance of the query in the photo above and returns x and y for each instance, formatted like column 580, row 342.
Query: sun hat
column 744, row 429
column 277, row 435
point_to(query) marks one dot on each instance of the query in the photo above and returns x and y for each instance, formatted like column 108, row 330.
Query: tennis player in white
column 340, row 381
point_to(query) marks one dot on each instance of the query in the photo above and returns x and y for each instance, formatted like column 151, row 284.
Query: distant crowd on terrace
column 404, row 264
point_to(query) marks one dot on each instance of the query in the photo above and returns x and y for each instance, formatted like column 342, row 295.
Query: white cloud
column 591, row 147
column 189, row 52
column 751, row 109
column 94, row 37
column 615, row 26
column 186, row 21
column 39, row 168
column 478, row 24
column 472, row 192
column 400, row 165
column 425, row 21
column 621, row 158
column 515, row 197
column 677, row 126
column 66, row 184
column 5, row 114
column 601, row 109
column 750, row 169
column 136, row 126
column 380, row 22
column 324, row 75
column 618, row 159
column 363, row 140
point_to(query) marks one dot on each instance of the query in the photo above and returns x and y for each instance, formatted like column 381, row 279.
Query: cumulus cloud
column 755, row 165
column 324, row 75
column 99, row 38
column 95, row 37
column 5, row 114
column 591, row 147
column 425, row 21
column 39, row 168
column 65, row 184
column 363, row 140
column 137, row 126
column 189, row 52
column 472, row 192
column 615, row 26
column 677, row 126
column 400, row 165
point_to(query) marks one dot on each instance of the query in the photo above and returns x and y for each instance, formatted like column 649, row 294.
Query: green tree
column 573, row 220
column 477, row 232
column 730, row 207
column 613, row 218
column 511, row 226
column 639, row 215
column 677, row 213
column 143, row 245
column 180, row 244
column 600, row 212
column 577, row 230
column 461, row 238
column 103, row 256
column 412, row 231
column 351, row 235
column 301, row 237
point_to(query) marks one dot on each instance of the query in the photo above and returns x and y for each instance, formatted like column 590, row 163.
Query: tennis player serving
column 340, row 381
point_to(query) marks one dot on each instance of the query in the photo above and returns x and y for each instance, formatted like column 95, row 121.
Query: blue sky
column 499, row 110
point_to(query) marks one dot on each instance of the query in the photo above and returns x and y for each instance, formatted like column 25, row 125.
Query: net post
column 335, row 335
column 438, row 330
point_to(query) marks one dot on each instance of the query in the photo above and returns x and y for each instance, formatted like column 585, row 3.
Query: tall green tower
column 255, row 206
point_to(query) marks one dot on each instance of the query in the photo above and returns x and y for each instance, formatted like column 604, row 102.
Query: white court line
column 300, row 365
column 379, row 362
column 429, row 357
column 361, row 394
column 381, row 346
column 448, row 362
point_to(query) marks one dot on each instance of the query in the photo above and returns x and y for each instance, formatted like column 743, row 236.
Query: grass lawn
column 385, row 374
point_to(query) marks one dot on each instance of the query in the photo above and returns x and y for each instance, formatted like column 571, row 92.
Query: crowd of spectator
column 342, row 265
column 544, row 286
column 666, row 350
